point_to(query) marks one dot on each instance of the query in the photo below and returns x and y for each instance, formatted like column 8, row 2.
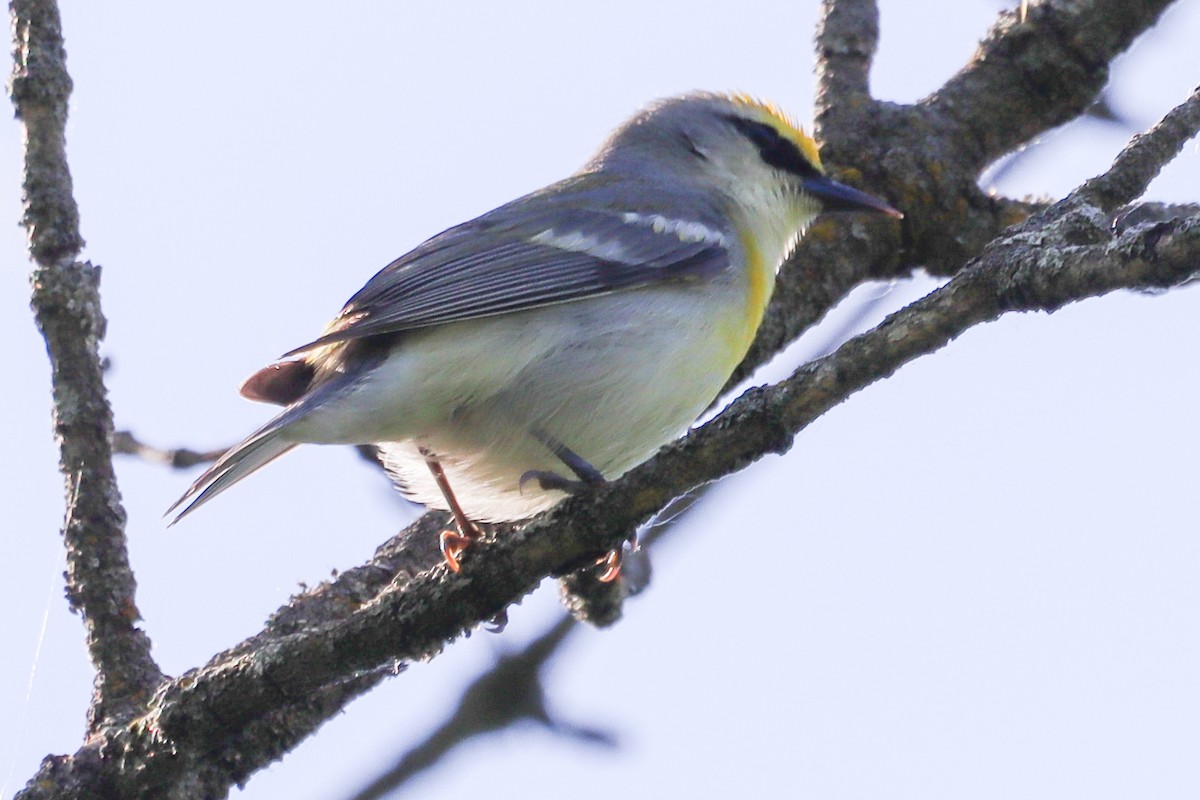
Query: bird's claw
column 551, row 481
column 610, row 566
column 453, row 544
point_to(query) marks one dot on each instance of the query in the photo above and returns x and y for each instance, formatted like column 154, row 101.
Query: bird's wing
column 534, row 252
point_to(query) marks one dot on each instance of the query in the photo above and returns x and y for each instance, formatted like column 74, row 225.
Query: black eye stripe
column 774, row 149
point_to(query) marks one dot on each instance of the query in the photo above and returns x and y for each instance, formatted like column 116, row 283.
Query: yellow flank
column 760, row 280
column 778, row 119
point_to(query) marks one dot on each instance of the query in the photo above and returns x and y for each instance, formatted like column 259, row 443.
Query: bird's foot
column 610, row 565
column 454, row 543
column 552, row 481
column 586, row 474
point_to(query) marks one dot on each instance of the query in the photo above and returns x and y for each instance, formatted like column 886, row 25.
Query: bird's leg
column 587, row 475
column 452, row 543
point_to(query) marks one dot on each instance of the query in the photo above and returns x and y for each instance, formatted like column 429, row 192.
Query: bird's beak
column 836, row 196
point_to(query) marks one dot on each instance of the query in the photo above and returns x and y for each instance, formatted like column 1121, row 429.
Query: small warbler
column 560, row 339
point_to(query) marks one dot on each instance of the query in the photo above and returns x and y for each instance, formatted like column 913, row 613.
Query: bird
column 561, row 339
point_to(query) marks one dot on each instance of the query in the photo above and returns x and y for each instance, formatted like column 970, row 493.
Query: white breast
column 613, row 378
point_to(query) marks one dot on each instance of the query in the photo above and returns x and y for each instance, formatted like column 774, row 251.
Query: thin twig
column 847, row 37
column 1143, row 158
column 125, row 443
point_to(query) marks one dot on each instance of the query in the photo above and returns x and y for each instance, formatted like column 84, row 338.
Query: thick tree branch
column 66, row 304
column 1051, row 66
column 927, row 158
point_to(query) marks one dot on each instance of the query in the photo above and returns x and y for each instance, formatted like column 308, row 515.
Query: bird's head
column 744, row 148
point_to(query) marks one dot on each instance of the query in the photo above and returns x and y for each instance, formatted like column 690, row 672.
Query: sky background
column 982, row 578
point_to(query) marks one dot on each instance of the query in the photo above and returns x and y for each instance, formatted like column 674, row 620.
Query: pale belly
column 613, row 379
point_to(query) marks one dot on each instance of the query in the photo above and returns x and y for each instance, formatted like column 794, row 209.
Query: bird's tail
column 257, row 450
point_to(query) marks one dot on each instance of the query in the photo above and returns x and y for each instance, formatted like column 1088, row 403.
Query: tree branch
column 1051, row 66
column 66, row 304
column 125, row 443
column 512, row 690
column 1143, row 158
column 508, row 693
column 927, row 158
column 847, row 37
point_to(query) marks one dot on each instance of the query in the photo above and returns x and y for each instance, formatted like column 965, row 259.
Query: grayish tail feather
column 257, row 450
column 264, row 445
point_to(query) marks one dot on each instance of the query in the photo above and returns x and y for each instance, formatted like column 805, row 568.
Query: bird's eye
column 692, row 148
column 774, row 148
